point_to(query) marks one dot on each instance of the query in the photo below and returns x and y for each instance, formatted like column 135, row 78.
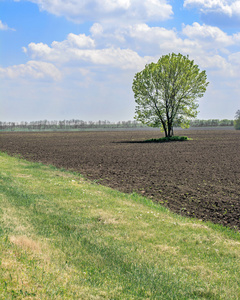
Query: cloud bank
column 230, row 8
column 105, row 10
column 32, row 70
column 93, row 71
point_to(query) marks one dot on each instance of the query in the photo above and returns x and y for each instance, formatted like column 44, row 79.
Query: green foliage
column 169, row 139
column 237, row 120
column 237, row 124
column 211, row 123
column 166, row 92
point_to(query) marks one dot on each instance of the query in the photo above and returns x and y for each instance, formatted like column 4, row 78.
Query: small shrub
column 169, row 139
column 236, row 122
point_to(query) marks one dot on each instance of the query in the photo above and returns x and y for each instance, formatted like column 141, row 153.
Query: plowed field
column 198, row 178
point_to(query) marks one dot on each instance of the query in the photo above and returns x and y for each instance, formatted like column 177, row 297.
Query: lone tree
column 237, row 120
column 166, row 92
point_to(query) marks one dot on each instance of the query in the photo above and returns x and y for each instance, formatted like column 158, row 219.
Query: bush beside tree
column 237, row 120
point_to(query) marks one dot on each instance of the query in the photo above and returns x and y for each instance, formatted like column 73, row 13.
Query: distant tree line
column 211, row 122
column 76, row 124
column 73, row 124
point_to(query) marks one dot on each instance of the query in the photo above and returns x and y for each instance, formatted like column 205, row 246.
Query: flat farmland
column 198, row 178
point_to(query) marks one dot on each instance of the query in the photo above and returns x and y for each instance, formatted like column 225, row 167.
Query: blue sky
column 66, row 59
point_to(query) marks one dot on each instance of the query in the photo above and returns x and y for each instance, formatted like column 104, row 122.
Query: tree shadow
column 150, row 141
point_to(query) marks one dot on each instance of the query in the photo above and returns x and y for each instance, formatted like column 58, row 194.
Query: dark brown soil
column 198, row 178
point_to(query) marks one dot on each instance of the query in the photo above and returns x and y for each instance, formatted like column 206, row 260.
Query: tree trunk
column 164, row 128
column 170, row 130
column 165, row 131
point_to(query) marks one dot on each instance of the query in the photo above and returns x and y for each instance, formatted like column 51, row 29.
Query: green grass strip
column 63, row 237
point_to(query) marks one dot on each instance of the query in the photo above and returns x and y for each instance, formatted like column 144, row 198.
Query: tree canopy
column 166, row 92
column 237, row 120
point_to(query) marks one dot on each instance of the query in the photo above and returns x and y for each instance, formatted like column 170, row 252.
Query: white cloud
column 96, row 29
column 151, row 34
column 218, row 66
column 39, row 50
column 156, row 9
column 207, row 45
column 61, row 51
column 78, row 41
column 227, row 7
column 31, row 70
column 5, row 26
column 236, row 38
column 126, row 48
column 158, row 40
column 235, row 59
column 70, row 50
column 114, row 10
column 213, row 36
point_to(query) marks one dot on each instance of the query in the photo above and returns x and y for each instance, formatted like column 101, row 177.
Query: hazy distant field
column 109, row 128
column 199, row 178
